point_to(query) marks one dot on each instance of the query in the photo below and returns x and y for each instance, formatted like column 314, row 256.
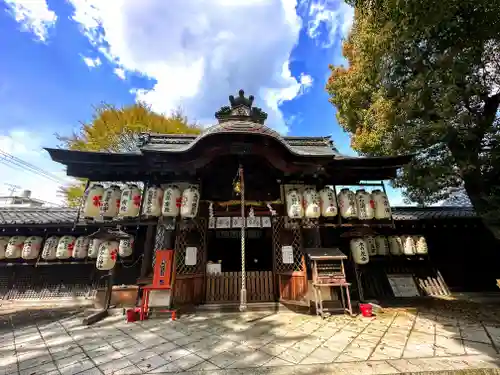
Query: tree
column 424, row 78
column 116, row 130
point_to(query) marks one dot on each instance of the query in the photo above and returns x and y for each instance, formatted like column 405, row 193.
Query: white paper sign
column 223, row 222
column 253, row 222
column 191, row 256
column 214, row 268
column 266, row 222
column 287, row 252
column 237, row 222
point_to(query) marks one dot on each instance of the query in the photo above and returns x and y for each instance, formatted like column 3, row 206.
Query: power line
column 17, row 163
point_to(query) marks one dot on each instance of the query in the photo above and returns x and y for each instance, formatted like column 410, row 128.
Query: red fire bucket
column 366, row 309
column 132, row 315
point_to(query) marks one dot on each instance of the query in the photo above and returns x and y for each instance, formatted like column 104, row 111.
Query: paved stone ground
column 54, row 342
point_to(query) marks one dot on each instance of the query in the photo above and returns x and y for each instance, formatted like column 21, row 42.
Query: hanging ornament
column 271, row 210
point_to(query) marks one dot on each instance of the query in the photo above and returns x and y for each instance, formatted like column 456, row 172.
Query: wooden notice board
column 403, row 285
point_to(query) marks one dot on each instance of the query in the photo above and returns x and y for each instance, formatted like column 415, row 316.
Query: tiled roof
column 430, row 213
column 19, row 216
column 10, row 215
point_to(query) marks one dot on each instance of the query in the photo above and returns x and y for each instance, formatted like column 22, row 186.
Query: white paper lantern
column 81, row 249
column 372, row 245
column 31, row 247
column 3, row 246
column 94, row 247
column 190, row 202
column 93, row 200
column 347, row 204
column 420, row 245
column 382, row 207
column 153, row 201
column 364, row 205
column 110, row 204
column 65, row 247
column 311, row 203
column 408, row 245
column 126, row 247
column 395, row 245
column 382, row 245
column 108, row 252
column 14, row 247
column 359, row 250
column 328, row 202
column 172, row 199
column 50, row 248
column 294, row 206
column 130, row 201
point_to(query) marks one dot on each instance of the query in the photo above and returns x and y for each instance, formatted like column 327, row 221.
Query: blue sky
column 65, row 56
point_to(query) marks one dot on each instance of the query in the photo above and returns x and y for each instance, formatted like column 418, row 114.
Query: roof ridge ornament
column 241, row 109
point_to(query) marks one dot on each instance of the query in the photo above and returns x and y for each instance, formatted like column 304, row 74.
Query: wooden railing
column 226, row 286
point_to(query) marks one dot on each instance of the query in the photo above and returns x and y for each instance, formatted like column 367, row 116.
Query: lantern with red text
column 65, row 247
column 50, row 248
column 31, row 247
column 382, row 207
column 108, row 252
column 3, row 246
column 130, row 201
column 328, row 202
column 294, row 207
column 364, row 205
column 311, row 203
column 347, row 204
column 190, row 202
column 153, row 201
column 81, row 249
column 93, row 199
column 110, row 203
column 172, row 200
column 14, row 247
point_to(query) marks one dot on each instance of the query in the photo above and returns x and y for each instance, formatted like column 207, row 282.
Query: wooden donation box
column 162, row 280
column 328, row 271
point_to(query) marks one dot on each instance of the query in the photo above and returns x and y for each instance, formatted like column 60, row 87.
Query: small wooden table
column 328, row 271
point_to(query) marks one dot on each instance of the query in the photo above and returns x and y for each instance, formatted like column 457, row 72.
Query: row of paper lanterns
column 115, row 202
column 361, row 205
column 65, row 247
column 363, row 248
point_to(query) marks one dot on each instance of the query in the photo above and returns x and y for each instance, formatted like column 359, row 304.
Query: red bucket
column 366, row 309
column 132, row 315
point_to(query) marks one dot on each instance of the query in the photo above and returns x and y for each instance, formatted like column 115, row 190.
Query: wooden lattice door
column 291, row 277
column 189, row 282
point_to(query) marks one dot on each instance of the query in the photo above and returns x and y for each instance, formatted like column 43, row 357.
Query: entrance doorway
column 224, row 266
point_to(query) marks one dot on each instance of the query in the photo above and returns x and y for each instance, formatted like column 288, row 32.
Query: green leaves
column 424, row 77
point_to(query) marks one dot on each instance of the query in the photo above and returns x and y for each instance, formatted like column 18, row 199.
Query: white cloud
column 34, row 16
column 199, row 52
column 328, row 19
column 120, row 72
column 26, row 148
column 92, row 63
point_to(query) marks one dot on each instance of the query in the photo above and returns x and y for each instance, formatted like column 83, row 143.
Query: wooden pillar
column 148, row 251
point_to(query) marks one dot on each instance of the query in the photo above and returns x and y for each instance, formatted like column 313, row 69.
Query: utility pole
column 12, row 188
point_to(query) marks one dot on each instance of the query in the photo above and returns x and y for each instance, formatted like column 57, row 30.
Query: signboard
column 191, row 256
column 266, row 222
column 403, row 285
column 287, row 253
column 236, row 222
column 223, row 223
column 253, row 222
column 237, row 234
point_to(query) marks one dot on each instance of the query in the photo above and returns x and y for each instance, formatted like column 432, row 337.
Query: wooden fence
column 226, row 286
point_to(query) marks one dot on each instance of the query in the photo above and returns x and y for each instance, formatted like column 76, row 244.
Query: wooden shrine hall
column 239, row 204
